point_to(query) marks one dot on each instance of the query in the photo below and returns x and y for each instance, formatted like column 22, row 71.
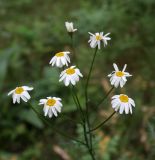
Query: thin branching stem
column 85, row 118
column 85, row 123
column 56, row 130
column 78, row 103
column 89, row 75
column 104, row 98
column 86, row 96
column 71, row 119
column 102, row 123
column 77, row 106
column 73, row 48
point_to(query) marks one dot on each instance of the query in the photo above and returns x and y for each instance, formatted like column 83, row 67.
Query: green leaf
column 30, row 117
column 4, row 61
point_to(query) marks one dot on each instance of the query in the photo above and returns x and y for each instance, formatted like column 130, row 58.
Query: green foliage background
column 31, row 31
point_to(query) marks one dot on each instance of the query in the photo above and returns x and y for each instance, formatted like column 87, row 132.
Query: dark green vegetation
column 31, row 31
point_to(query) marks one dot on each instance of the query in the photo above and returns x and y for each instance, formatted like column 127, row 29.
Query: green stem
column 77, row 106
column 89, row 74
column 101, row 124
column 74, row 52
column 78, row 103
column 61, row 133
column 74, row 121
column 86, row 96
column 102, row 100
column 89, row 147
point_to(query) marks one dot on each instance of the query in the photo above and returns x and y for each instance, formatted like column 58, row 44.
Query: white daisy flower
column 60, row 59
column 69, row 27
column 52, row 105
column 119, row 77
column 70, row 75
column 122, row 103
column 95, row 39
column 20, row 92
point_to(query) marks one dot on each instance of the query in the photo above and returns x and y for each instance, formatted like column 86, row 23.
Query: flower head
column 69, row 27
column 122, row 103
column 95, row 39
column 52, row 105
column 119, row 77
column 60, row 59
column 70, row 75
column 20, row 92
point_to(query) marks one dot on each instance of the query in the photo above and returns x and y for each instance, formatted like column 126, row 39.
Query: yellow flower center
column 60, row 54
column 123, row 98
column 119, row 74
column 19, row 90
column 98, row 37
column 70, row 71
column 51, row 102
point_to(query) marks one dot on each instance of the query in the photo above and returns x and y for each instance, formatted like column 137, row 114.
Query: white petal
column 73, row 81
column 127, row 108
column 11, row 92
column 54, row 111
column 117, row 82
column 115, row 67
column 26, row 94
column 62, row 77
column 58, row 108
column 27, row 88
column 46, row 108
column 42, row 101
column 106, row 34
column 91, row 33
column 124, row 67
column 18, row 98
column 121, row 108
column 67, row 81
column 116, row 96
column 59, row 103
column 130, row 108
column 99, row 44
column 14, row 98
column 50, row 113
column 132, row 102
column 115, row 105
column 24, row 98
column 58, row 62
column 78, row 72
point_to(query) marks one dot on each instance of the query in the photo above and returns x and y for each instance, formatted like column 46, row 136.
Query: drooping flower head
column 70, row 75
column 20, row 92
column 60, row 59
column 52, row 105
column 69, row 27
column 118, row 77
column 95, row 39
column 122, row 103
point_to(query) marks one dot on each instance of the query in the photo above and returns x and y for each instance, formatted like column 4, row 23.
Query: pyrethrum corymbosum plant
column 70, row 76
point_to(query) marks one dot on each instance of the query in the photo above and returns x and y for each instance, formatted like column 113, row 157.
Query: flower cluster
column 71, row 75
column 121, row 102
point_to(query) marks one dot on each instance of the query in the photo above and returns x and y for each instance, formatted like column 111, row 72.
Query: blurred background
column 31, row 32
